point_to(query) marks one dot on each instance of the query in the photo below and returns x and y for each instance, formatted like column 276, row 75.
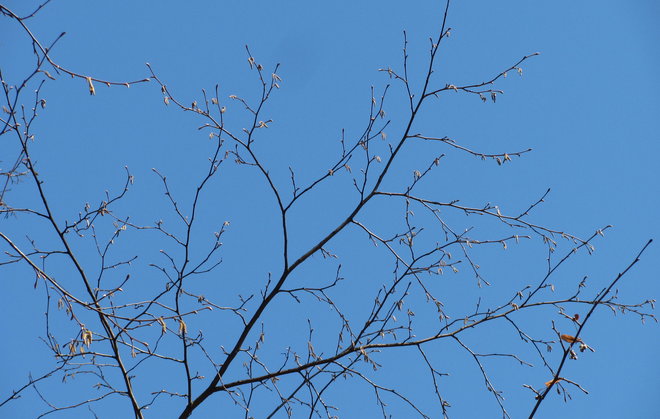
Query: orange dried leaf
column 570, row 339
column 553, row 381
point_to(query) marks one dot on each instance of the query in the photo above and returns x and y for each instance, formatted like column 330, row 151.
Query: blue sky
column 586, row 105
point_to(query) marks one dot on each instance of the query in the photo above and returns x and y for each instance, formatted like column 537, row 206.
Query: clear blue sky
column 587, row 105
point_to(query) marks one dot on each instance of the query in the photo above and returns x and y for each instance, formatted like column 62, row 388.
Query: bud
column 92, row 91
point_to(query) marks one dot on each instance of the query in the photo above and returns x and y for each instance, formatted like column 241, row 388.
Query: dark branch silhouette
column 99, row 324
